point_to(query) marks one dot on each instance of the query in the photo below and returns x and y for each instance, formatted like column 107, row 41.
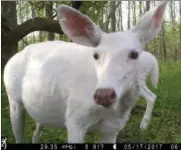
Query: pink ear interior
column 158, row 15
column 76, row 23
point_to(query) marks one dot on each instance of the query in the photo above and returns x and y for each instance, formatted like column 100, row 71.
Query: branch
column 34, row 24
column 36, row 5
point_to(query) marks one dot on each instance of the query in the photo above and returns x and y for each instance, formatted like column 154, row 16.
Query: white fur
column 148, row 66
column 55, row 81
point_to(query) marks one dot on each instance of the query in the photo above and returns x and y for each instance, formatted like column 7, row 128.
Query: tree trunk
column 113, row 16
column 49, row 14
column 172, row 17
column 164, row 43
column 33, row 16
column 171, row 12
column 128, row 15
column 9, row 21
column 147, row 5
column 105, row 25
column 155, row 41
column 21, row 44
column 118, row 20
column 134, row 12
column 147, row 9
column 121, row 16
column 140, row 8
column 160, row 47
column 41, row 36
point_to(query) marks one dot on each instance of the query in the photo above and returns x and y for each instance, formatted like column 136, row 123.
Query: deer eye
column 133, row 55
column 96, row 56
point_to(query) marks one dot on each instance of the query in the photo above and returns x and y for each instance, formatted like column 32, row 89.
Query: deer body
column 53, row 88
column 53, row 79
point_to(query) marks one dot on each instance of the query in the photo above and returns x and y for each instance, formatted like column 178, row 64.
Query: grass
column 163, row 129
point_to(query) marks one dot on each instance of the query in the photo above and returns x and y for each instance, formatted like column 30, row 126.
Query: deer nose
column 105, row 97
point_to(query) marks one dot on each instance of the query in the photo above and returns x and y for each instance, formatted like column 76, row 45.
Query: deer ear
column 150, row 23
column 78, row 27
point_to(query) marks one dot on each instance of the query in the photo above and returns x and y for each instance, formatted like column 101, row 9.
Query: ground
column 165, row 128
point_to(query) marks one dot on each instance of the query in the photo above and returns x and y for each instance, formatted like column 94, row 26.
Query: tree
column 172, row 17
column 147, row 6
column 121, row 16
column 49, row 14
column 129, row 7
column 147, row 9
column 134, row 12
column 111, row 13
column 9, row 21
column 11, row 35
column 31, row 17
column 164, row 43
column 113, row 16
column 140, row 8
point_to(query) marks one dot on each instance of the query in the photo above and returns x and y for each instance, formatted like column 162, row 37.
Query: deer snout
column 105, row 97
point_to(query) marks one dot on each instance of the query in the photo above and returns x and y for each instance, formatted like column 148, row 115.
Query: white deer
column 148, row 66
column 90, row 85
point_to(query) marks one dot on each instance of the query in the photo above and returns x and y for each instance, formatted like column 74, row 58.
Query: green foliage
column 167, row 43
column 93, row 9
column 172, row 41
column 163, row 129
